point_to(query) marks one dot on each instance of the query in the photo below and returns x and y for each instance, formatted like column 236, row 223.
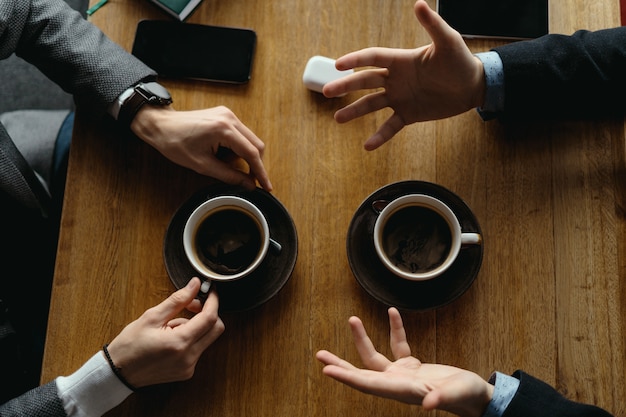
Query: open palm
column 407, row 379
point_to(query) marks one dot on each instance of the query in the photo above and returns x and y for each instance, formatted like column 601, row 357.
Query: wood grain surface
column 550, row 297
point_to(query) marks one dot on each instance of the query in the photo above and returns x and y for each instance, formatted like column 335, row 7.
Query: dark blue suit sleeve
column 538, row 399
column 559, row 76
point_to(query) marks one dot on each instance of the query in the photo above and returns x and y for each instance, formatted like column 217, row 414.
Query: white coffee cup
column 226, row 238
column 418, row 237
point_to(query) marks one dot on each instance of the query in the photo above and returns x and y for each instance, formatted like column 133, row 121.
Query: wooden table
column 550, row 297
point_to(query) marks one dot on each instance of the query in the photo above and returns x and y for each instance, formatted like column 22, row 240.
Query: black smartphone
column 496, row 19
column 185, row 50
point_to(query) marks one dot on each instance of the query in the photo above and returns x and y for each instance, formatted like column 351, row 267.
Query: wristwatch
column 151, row 93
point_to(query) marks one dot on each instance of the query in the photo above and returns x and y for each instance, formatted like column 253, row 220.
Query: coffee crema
column 416, row 239
column 228, row 240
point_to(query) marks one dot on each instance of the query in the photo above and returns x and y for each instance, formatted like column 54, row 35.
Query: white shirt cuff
column 92, row 390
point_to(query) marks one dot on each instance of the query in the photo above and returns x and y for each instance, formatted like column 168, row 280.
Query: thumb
column 432, row 400
column 457, row 398
column 178, row 301
column 438, row 29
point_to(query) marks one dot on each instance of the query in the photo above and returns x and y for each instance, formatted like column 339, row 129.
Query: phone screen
column 503, row 19
column 185, row 50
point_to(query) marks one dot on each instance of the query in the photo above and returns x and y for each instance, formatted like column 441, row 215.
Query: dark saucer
column 269, row 277
column 392, row 290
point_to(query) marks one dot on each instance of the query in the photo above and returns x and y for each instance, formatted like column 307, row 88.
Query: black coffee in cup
column 228, row 240
column 416, row 239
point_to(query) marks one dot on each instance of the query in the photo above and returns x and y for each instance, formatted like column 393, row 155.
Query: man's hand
column 406, row 379
column 435, row 81
column 193, row 139
column 161, row 347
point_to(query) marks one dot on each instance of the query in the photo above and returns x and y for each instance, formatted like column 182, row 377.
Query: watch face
column 156, row 92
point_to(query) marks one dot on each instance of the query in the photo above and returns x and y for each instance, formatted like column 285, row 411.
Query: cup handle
column 275, row 246
column 468, row 239
column 203, row 293
column 379, row 205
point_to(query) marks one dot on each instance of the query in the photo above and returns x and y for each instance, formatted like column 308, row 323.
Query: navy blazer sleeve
column 538, row 399
column 559, row 76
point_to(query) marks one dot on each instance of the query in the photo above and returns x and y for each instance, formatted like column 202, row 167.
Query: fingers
column 227, row 173
column 374, row 56
column 364, row 105
column 330, row 359
column 250, row 136
column 195, row 306
column 252, row 154
column 219, row 128
column 341, row 370
column 199, row 325
column 245, row 144
column 397, row 335
column 211, row 336
column 366, row 79
column 385, row 132
column 369, row 355
column 364, row 380
column 206, row 326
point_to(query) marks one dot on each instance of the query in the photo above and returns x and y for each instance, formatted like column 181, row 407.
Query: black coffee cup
column 418, row 237
column 226, row 238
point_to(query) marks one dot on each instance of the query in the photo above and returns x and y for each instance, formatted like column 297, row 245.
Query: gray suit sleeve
column 71, row 51
column 42, row 401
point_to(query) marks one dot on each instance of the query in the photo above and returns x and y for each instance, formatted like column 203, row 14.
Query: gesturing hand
column 193, row 138
column 435, row 81
column 160, row 347
column 406, row 379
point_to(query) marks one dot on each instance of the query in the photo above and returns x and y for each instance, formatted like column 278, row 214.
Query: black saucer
column 392, row 290
column 269, row 277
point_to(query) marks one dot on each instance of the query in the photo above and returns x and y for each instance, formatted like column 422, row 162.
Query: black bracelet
column 115, row 369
